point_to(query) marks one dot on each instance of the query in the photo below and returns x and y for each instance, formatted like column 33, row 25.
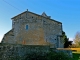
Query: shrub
column 48, row 56
column 58, row 56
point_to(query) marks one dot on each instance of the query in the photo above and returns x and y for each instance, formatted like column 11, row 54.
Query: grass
column 76, row 53
column 76, row 56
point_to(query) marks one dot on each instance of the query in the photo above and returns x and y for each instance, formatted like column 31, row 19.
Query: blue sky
column 65, row 11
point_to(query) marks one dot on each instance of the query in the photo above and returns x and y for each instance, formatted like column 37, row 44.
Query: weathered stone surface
column 8, row 51
column 20, row 52
column 42, row 30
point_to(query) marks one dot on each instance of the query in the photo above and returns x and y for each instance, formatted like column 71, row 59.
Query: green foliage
column 76, row 56
column 35, row 56
column 47, row 56
column 41, row 56
column 67, row 43
column 57, row 56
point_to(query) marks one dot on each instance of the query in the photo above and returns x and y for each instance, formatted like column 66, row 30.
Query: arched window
column 27, row 27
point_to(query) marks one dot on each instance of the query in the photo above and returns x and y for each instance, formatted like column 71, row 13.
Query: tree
column 77, row 39
column 67, row 43
column 73, row 45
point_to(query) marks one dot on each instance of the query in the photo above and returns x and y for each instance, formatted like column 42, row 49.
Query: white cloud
column 71, row 39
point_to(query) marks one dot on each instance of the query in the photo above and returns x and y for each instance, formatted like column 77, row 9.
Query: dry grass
column 73, row 49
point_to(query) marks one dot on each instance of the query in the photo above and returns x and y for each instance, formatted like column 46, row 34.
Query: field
column 76, row 53
column 76, row 56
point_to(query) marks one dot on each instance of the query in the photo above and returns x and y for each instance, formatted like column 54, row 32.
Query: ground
column 76, row 56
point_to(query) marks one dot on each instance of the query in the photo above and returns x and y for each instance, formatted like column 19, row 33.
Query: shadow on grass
column 76, row 56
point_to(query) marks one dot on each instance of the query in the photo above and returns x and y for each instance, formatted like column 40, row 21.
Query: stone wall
column 52, row 31
column 34, row 35
column 11, row 52
column 8, row 51
column 8, row 37
column 41, row 31
column 67, row 52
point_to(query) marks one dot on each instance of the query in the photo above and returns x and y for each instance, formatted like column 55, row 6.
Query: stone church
column 29, row 28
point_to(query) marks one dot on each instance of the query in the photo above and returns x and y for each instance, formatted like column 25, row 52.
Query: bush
column 47, row 56
column 58, row 56
column 35, row 56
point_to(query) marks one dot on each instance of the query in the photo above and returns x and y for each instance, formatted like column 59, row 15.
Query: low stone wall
column 67, row 52
column 19, row 52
